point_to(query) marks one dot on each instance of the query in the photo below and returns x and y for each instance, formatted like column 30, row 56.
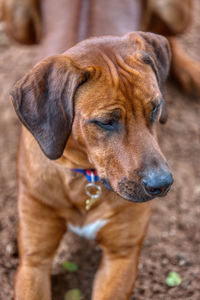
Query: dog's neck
column 74, row 156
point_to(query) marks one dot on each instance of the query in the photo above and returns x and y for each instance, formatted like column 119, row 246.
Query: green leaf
column 73, row 294
column 173, row 279
column 70, row 266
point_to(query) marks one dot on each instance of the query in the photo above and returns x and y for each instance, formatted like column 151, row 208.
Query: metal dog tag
column 93, row 190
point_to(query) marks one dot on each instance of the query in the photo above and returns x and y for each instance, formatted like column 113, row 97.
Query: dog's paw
column 22, row 20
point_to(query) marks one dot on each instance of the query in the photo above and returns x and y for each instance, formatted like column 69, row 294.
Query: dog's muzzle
column 154, row 184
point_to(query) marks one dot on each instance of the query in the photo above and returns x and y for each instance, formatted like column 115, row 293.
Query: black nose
column 157, row 183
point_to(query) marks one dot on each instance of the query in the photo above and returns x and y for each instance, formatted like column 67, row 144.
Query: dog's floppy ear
column 157, row 47
column 158, row 55
column 44, row 101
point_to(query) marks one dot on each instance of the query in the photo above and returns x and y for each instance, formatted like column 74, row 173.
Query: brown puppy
column 95, row 106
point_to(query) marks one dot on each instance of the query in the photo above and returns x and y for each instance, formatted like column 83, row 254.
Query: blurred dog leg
column 60, row 21
column 185, row 69
column 167, row 17
column 22, row 20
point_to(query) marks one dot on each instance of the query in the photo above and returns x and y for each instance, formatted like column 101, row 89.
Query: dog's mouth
column 137, row 192
column 133, row 191
column 128, row 190
column 107, row 184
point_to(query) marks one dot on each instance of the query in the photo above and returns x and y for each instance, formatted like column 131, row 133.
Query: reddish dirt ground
column 173, row 239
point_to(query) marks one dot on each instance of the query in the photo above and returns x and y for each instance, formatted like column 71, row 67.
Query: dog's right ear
column 44, row 101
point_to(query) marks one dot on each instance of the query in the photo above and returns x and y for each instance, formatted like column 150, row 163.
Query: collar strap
column 90, row 174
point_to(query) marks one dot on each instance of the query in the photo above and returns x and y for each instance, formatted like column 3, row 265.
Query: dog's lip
column 106, row 183
column 166, row 192
column 149, row 195
column 138, row 200
column 144, row 199
column 135, row 199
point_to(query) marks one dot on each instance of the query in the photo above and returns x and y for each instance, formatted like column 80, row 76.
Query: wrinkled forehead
column 104, row 96
column 89, row 49
column 123, row 72
column 131, row 50
column 121, row 82
column 129, row 73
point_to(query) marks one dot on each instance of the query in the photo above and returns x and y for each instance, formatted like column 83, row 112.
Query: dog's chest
column 88, row 231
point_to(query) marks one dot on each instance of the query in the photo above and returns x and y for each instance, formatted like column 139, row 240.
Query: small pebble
column 140, row 266
column 10, row 249
column 165, row 261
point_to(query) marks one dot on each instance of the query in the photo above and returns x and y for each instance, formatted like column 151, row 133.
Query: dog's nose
column 157, row 183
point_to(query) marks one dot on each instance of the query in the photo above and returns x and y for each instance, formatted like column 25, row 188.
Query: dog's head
column 106, row 93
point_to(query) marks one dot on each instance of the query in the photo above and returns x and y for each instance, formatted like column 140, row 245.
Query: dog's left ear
column 158, row 55
column 44, row 101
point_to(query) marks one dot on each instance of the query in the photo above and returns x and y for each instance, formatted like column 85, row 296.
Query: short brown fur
column 96, row 79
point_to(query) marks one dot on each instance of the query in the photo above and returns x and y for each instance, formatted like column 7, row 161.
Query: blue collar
column 90, row 174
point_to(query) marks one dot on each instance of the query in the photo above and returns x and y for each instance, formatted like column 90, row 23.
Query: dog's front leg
column 40, row 231
column 121, row 241
column 116, row 276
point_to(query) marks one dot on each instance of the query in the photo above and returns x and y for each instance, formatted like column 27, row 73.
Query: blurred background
column 173, row 239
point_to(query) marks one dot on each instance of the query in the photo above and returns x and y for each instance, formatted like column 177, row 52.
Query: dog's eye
column 155, row 111
column 109, row 125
